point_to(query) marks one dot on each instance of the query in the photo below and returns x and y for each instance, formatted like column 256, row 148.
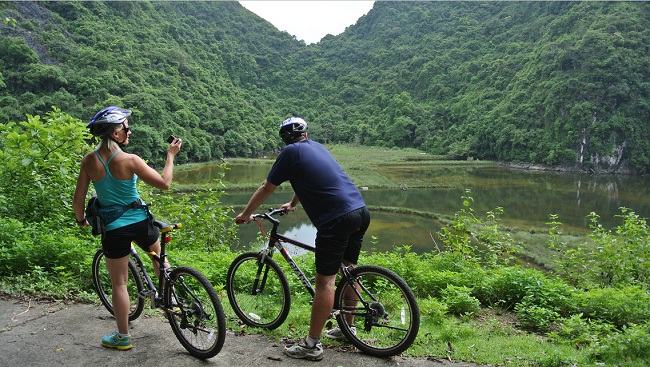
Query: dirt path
column 58, row 334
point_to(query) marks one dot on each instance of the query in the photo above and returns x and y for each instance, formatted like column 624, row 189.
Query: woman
column 114, row 174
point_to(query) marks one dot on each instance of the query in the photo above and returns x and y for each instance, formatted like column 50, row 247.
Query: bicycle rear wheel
column 387, row 316
column 195, row 313
column 258, row 293
column 102, row 283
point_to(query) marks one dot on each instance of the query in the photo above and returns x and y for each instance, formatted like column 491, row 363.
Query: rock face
column 611, row 163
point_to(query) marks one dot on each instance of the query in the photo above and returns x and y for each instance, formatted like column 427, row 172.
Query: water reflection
column 416, row 231
column 236, row 174
column 527, row 198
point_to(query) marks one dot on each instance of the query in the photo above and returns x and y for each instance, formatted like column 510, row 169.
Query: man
column 335, row 207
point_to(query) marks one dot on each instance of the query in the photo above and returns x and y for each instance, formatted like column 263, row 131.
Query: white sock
column 311, row 342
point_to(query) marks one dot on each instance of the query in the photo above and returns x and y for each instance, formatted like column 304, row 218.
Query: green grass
column 490, row 336
column 485, row 339
column 361, row 164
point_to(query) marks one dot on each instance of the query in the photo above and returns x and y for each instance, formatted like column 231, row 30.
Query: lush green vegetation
column 553, row 83
column 476, row 306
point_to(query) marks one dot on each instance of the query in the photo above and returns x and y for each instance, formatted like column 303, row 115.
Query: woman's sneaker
column 115, row 341
column 302, row 351
column 337, row 334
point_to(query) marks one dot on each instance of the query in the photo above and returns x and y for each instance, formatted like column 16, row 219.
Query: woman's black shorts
column 117, row 243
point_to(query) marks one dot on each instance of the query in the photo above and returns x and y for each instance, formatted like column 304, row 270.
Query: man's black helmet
column 292, row 128
column 105, row 120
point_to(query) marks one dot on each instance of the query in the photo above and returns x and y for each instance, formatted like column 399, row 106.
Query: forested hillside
column 553, row 83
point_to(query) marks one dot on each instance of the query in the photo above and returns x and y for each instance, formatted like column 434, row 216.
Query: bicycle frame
column 374, row 307
column 277, row 241
column 186, row 296
column 151, row 290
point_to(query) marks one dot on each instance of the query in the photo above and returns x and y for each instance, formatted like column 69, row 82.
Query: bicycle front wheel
column 386, row 313
column 258, row 292
column 102, row 284
column 195, row 313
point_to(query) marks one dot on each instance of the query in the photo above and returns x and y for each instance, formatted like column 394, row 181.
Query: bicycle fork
column 260, row 279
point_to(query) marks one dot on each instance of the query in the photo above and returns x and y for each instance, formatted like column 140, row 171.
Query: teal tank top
column 111, row 191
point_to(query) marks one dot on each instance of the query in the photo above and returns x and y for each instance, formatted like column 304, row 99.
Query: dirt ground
column 59, row 334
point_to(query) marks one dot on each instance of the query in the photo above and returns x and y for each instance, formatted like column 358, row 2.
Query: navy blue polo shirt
column 324, row 189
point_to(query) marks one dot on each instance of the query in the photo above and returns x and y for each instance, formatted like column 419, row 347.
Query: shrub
column 428, row 274
column 24, row 247
column 459, row 301
column 39, row 160
column 620, row 306
column 580, row 332
column 535, row 317
column 477, row 239
column 433, row 310
column 617, row 257
column 508, row 286
column 631, row 343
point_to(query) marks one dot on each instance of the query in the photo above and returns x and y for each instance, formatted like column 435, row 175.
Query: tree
column 40, row 165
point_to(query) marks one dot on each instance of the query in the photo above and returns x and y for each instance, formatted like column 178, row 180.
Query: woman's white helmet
column 105, row 120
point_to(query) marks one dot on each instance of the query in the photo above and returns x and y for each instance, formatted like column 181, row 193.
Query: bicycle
column 185, row 295
column 258, row 292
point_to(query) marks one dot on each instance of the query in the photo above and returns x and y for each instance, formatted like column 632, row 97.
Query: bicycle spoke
column 195, row 312
column 386, row 315
column 259, row 294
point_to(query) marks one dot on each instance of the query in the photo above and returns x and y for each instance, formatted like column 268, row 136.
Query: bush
column 631, row 343
column 40, row 159
column 620, row 306
column 508, row 286
column 428, row 274
column 534, row 317
column 24, row 247
column 580, row 332
column 433, row 310
column 459, row 301
column 617, row 257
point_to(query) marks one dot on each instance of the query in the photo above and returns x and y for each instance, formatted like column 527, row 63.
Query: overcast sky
column 310, row 21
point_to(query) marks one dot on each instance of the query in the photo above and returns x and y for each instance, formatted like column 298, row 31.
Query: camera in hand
column 171, row 139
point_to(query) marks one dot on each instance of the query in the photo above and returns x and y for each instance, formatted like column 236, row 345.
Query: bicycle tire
column 258, row 302
column 102, row 284
column 390, row 322
column 196, row 315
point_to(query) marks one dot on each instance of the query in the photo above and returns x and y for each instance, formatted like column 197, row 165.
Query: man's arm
column 258, row 198
column 291, row 206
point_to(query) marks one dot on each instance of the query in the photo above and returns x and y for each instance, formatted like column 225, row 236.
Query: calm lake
column 527, row 198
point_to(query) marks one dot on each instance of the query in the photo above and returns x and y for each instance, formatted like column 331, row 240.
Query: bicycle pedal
column 174, row 309
column 145, row 294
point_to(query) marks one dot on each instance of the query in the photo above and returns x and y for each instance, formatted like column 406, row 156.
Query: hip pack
column 99, row 217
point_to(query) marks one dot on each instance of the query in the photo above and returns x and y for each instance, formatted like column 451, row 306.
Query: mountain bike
column 375, row 301
column 186, row 296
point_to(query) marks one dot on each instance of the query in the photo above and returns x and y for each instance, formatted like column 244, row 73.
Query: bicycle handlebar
column 269, row 215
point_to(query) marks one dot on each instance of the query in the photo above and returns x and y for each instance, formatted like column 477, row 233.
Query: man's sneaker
column 115, row 341
column 300, row 350
column 337, row 334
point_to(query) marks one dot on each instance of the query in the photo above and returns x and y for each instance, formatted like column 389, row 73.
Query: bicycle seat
column 165, row 227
